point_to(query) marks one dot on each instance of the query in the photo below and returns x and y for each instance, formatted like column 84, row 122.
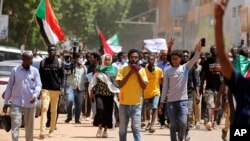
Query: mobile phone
column 203, row 42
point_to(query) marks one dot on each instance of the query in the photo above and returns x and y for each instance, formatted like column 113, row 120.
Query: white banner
column 155, row 45
column 4, row 22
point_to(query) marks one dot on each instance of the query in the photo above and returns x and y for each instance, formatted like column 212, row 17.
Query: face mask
column 124, row 60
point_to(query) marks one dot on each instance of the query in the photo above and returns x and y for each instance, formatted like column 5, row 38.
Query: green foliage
column 23, row 27
column 79, row 18
column 76, row 17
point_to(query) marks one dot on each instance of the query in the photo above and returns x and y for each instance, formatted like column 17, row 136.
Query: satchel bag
column 5, row 122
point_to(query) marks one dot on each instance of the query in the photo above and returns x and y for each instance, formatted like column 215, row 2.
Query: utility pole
column 1, row 7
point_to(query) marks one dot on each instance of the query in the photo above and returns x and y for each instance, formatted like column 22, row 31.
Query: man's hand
column 5, row 108
column 219, row 8
column 160, row 108
column 135, row 68
column 32, row 99
column 92, row 98
column 170, row 43
column 197, row 99
column 198, row 46
column 3, row 94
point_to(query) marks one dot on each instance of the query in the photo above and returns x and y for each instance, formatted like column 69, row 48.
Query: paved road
column 86, row 132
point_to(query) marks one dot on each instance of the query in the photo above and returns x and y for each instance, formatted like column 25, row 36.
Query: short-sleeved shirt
column 241, row 91
column 131, row 92
column 153, row 86
column 211, row 68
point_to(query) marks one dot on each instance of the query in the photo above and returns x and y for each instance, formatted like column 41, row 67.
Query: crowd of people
column 177, row 88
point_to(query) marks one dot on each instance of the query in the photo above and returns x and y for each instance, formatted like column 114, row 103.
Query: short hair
column 134, row 51
column 177, row 53
column 185, row 51
column 51, row 45
column 120, row 54
column 243, row 51
column 96, row 55
column 78, row 55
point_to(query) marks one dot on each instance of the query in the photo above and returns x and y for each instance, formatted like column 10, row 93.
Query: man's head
column 34, row 52
column 243, row 51
column 185, row 56
column 121, row 56
column 94, row 58
column 164, row 56
column 212, row 50
column 52, row 51
column 176, row 57
column 78, row 59
column 67, row 56
column 151, row 59
column 145, row 55
column 27, row 59
column 234, row 52
column 114, row 57
column 133, row 56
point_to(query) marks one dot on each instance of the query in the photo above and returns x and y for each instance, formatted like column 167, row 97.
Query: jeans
column 74, row 97
column 177, row 112
column 133, row 112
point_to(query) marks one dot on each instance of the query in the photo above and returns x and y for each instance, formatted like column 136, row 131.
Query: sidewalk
column 86, row 132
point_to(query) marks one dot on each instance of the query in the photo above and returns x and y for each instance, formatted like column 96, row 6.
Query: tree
column 79, row 18
column 22, row 23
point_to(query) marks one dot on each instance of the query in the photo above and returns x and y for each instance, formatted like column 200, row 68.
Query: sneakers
column 187, row 138
column 151, row 130
column 197, row 126
column 224, row 135
column 104, row 134
column 87, row 119
column 209, row 126
column 162, row 126
column 41, row 136
column 168, row 125
column 143, row 125
column 51, row 134
column 99, row 133
column 215, row 126
column 148, row 127
column 77, row 122
column 68, row 120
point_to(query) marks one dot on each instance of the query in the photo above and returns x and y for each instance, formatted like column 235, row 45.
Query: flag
column 114, row 43
column 242, row 64
column 49, row 27
column 103, row 42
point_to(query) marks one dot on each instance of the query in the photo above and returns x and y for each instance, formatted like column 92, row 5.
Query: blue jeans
column 74, row 97
column 177, row 112
column 133, row 112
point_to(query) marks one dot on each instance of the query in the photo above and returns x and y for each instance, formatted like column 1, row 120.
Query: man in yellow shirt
column 152, row 91
column 132, row 80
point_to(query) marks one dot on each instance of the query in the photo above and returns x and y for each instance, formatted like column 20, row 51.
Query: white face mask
column 124, row 60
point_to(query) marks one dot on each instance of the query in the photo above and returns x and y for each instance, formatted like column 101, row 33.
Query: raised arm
column 226, row 66
column 196, row 56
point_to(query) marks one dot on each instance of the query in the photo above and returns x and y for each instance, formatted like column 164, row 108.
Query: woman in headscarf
column 102, row 89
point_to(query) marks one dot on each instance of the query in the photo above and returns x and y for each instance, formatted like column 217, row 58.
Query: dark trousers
column 86, row 107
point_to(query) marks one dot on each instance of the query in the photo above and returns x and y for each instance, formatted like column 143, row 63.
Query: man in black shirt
column 52, row 77
column 212, row 75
